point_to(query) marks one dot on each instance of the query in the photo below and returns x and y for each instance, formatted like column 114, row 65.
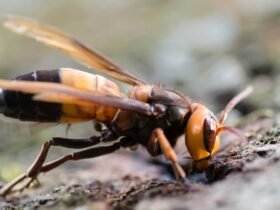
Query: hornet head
column 203, row 130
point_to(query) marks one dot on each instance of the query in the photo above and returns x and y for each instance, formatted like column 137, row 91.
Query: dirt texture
column 244, row 175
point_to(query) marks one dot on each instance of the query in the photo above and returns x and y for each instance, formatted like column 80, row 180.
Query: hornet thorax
column 138, row 128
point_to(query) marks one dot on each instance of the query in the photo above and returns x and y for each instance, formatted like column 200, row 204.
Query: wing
column 59, row 93
column 54, row 38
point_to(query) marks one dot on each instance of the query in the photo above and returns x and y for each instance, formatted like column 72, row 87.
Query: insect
column 148, row 115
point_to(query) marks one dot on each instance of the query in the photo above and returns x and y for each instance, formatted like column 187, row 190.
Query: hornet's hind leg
column 38, row 165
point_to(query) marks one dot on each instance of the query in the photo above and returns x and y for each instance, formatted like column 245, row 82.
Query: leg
column 84, row 154
column 167, row 151
column 34, row 169
column 36, row 166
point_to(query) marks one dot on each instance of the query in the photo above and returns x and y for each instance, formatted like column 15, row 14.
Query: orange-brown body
column 93, row 83
column 27, row 109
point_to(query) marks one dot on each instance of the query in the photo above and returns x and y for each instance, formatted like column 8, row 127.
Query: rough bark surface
column 244, row 175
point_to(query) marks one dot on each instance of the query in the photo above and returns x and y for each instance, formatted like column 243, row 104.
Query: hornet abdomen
column 21, row 106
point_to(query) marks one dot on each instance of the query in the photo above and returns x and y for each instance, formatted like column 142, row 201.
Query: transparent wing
column 56, row 39
column 59, row 93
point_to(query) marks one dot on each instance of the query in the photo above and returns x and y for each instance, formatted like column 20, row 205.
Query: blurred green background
column 208, row 50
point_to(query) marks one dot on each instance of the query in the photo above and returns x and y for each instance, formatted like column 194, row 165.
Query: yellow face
column 201, row 136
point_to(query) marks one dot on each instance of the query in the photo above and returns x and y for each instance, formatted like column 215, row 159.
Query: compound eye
column 209, row 133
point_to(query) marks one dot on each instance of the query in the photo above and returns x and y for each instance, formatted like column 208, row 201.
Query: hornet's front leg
column 38, row 165
column 158, row 138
